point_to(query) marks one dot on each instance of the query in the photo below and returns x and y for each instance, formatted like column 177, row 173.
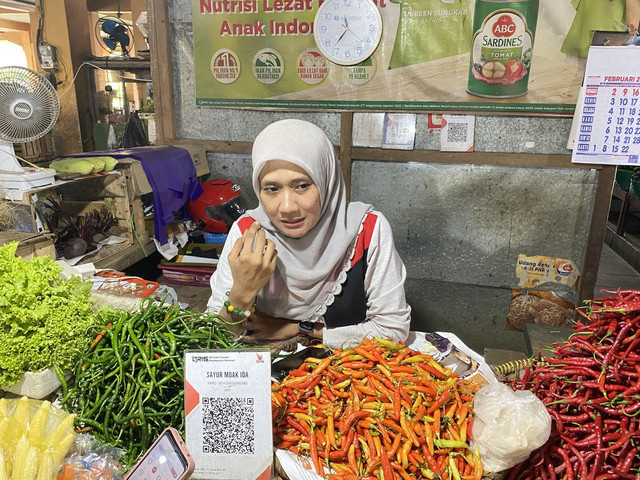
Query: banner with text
column 456, row 55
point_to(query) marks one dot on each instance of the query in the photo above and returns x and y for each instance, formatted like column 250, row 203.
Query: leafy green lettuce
column 44, row 319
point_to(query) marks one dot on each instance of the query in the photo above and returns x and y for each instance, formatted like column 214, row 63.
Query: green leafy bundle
column 44, row 319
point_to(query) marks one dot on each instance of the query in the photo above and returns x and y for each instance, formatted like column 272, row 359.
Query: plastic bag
column 35, row 436
column 92, row 460
column 134, row 134
column 508, row 425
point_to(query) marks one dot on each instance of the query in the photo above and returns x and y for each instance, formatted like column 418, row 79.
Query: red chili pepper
column 297, row 425
column 352, row 418
column 313, row 451
column 624, row 439
column 387, row 471
column 627, row 461
column 425, row 366
column 441, row 400
column 430, row 460
column 567, row 461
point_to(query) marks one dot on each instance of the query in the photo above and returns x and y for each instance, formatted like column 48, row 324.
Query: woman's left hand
column 261, row 326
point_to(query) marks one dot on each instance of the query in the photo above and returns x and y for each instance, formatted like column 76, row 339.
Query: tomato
column 514, row 68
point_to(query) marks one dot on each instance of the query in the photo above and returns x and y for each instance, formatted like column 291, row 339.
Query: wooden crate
column 84, row 194
column 37, row 151
column 30, row 245
column 94, row 192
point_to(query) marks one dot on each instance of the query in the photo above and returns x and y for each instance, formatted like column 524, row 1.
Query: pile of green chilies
column 129, row 385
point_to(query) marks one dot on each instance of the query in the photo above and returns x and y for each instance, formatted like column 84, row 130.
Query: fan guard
column 29, row 105
column 113, row 32
column 29, row 108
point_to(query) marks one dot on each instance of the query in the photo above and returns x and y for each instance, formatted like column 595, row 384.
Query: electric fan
column 29, row 109
column 112, row 32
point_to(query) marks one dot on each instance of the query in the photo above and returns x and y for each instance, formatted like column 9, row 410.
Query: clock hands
column 347, row 29
column 340, row 37
column 359, row 39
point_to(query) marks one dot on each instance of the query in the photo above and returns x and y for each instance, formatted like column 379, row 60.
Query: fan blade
column 120, row 34
column 110, row 42
column 123, row 39
column 108, row 26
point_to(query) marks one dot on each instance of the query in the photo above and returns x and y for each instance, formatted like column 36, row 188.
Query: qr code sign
column 228, row 425
column 457, row 132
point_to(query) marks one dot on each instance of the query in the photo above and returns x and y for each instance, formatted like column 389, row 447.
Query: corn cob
column 60, row 450
column 21, row 414
column 46, row 468
column 3, row 467
column 39, row 422
column 20, row 457
column 64, row 428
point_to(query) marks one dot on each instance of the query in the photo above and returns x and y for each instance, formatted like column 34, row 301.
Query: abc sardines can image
column 502, row 47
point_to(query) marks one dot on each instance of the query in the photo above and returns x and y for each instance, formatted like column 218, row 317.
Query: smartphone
column 167, row 459
column 281, row 368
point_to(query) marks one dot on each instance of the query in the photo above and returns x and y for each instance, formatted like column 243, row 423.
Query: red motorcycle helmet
column 218, row 206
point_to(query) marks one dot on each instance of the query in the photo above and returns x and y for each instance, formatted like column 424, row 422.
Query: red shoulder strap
column 244, row 224
column 364, row 237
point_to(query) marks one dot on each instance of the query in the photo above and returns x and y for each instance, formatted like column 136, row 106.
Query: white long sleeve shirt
column 387, row 313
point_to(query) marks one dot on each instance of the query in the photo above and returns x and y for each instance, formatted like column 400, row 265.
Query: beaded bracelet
column 236, row 312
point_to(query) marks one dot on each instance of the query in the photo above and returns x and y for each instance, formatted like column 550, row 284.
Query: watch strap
column 305, row 329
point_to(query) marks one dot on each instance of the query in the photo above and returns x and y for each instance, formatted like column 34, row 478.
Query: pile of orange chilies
column 378, row 411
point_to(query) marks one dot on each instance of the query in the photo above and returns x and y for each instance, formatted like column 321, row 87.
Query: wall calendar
column 608, row 113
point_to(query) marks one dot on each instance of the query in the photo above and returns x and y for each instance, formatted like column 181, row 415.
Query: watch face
column 305, row 327
column 347, row 31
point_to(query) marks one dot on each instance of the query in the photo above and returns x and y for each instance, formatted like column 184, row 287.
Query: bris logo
column 260, row 358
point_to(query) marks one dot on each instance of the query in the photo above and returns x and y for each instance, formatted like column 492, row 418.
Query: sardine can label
column 502, row 48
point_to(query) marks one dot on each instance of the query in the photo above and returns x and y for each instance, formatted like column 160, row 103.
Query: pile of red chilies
column 591, row 388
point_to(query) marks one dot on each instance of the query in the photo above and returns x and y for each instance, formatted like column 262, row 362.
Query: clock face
column 347, row 31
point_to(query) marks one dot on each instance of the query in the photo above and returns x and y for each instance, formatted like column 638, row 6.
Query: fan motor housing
column 21, row 109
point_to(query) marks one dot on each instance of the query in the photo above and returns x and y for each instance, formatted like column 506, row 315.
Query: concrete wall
column 458, row 228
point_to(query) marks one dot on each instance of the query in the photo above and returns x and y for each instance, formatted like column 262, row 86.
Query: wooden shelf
column 117, row 63
column 119, row 257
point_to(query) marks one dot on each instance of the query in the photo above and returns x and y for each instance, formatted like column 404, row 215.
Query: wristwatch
column 305, row 329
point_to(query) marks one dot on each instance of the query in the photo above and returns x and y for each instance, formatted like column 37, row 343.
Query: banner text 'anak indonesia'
column 256, row 28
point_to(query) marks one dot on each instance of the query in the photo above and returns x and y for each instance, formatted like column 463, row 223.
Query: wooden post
column 597, row 230
column 161, row 71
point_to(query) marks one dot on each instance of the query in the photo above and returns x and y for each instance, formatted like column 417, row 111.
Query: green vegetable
column 98, row 164
column 130, row 384
column 109, row 163
column 72, row 165
column 44, row 319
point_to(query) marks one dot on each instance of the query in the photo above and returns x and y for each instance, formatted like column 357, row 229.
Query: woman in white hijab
column 306, row 261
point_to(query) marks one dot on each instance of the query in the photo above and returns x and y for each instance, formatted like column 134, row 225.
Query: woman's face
column 289, row 197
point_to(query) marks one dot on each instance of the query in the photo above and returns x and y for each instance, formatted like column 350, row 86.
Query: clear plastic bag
column 508, row 425
column 34, row 438
column 91, row 460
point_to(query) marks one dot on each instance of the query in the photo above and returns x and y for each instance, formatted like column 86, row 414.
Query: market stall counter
column 425, row 408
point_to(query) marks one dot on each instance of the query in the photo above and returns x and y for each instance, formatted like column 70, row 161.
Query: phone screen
column 281, row 368
column 163, row 462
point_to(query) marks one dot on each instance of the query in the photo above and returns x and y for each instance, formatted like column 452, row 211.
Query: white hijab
column 314, row 266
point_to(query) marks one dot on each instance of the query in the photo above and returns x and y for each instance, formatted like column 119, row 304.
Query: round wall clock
column 347, row 31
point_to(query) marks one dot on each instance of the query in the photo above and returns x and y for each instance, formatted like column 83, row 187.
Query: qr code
column 228, row 425
column 457, row 132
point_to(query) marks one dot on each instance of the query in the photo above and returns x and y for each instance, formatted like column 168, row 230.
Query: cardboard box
column 30, row 245
column 173, row 229
column 139, row 178
column 188, row 250
column 135, row 174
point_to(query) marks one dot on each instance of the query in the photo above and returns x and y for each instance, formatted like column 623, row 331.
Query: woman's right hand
column 252, row 261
